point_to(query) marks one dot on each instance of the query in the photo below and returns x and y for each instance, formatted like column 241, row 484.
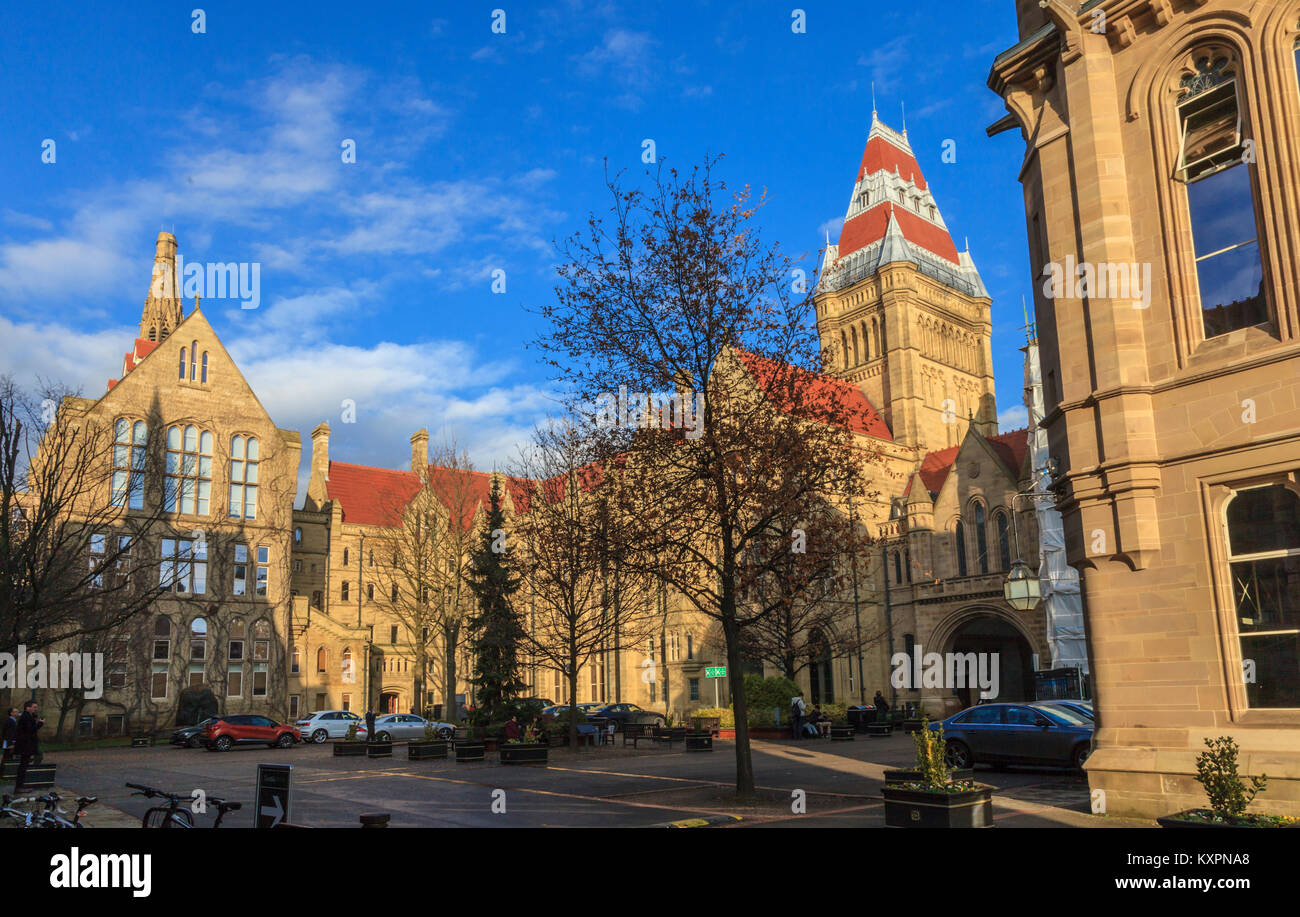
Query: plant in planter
column 429, row 747
column 1216, row 772
column 699, row 740
column 934, row 799
column 523, row 751
column 350, row 747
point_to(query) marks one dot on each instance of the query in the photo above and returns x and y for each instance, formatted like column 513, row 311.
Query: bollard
column 377, row 820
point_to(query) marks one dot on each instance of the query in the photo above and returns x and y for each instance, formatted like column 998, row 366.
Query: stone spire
column 163, row 309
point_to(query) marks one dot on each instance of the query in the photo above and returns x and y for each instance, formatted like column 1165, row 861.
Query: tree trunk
column 744, row 763
column 450, row 713
column 573, row 701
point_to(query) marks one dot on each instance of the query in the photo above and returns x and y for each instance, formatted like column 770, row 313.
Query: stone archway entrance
column 993, row 635
column 388, row 702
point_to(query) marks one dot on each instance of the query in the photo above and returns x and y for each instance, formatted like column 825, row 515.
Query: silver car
column 403, row 727
column 329, row 724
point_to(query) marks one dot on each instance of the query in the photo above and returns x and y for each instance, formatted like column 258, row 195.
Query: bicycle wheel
column 163, row 817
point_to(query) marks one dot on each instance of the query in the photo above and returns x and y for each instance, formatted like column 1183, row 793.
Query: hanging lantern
column 1021, row 589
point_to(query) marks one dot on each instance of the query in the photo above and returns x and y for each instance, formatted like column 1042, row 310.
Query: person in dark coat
column 882, row 708
column 27, row 744
column 9, row 733
column 513, row 730
column 370, row 725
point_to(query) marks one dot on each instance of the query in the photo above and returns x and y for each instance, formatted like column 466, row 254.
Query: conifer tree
column 496, row 632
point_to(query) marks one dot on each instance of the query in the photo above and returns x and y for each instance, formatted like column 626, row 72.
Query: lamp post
column 1022, row 589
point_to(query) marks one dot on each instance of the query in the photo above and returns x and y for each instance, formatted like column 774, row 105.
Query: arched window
column 1264, row 560
column 349, row 674
column 243, row 477
column 866, row 343
column 322, row 660
column 153, row 333
column 182, row 375
column 295, row 660
column 370, row 592
column 960, row 534
column 844, row 346
column 297, row 535
column 394, row 592
column 205, row 367
column 898, row 569
column 1213, row 164
column 853, row 334
column 194, row 359
column 129, row 444
column 981, row 539
column 198, row 640
column 189, row 470
column 261, row 640
column 162, row 638
column 344, row 590
column 1004, row 540
column 345, row 557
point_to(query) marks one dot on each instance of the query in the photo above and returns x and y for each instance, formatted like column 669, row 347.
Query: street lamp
column 1021, row 589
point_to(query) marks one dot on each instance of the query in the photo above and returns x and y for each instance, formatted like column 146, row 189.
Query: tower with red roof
column 900, row 311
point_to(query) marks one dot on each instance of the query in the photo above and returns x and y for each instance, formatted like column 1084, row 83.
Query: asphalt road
column 589, row 787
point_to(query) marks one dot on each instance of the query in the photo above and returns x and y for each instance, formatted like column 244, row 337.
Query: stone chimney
column 320, row 450
column 420, row 451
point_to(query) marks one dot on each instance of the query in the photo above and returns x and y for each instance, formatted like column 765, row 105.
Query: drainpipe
column 889, row 620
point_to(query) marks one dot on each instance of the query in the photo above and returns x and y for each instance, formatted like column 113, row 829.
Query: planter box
column 469, row 751
column 910, row 726
column 702, row 742
column 426, row 750
column 38, row 776
column 349, row 749
column 491, row 744
column 1172, row 821
column 710, row 724
column 880, row 730
column 523, row 754
column 842, row 733
column 379, row 750
column 911, row 775
column 141, row 741
column 920, row 809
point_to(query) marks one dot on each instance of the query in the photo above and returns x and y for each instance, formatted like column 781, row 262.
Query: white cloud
column 1015, row 417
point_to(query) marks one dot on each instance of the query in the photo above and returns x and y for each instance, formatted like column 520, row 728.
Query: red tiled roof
column 142, row 349
column 881, row 154
column 870, row 225
column 807, row 389
column 1011, row 447
column 377, row 496
column 935, row 467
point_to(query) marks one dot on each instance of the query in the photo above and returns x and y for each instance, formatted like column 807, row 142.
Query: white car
column 329, row 724
column 403, row 727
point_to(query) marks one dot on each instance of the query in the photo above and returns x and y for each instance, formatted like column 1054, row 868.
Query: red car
column 225, row 732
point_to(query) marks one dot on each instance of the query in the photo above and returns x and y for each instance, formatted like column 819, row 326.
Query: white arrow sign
column 276, row 813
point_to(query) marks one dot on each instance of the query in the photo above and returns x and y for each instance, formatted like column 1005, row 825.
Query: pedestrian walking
column 370, row 725
column 798, row 709
column 9, row 733
column 27, row 744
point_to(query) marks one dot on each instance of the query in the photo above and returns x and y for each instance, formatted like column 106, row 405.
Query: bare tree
column 423, row 581
column 569, row 556
column 677, row 295
column 79, row 499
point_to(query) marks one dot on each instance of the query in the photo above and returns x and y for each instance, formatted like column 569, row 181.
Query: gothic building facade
column 1162, row 164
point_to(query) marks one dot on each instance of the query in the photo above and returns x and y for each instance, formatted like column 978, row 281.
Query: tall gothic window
column 1004, row 540
column 243, row 477
column 1214, row 162
column 960, row 535
column 194, row 360
column 204, row 367
column 182, row 373
column 981, row 539
column 184, row 566
column 189, row 470
column 128, row 463
column 1264, row 559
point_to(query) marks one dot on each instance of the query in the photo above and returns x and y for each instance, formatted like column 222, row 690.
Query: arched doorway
column 388, row 702
column 986, row 631
column 821, row 674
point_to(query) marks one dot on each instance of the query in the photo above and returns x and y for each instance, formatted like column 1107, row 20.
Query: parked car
column 191, row 736
column 329, row 724
column 402, row 727
column 555, row 710
column 1079, row 707
column 619, row 714
column 225, row 732
column 1001, row 734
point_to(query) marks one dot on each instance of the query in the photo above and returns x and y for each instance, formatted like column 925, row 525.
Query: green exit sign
column 715, row 671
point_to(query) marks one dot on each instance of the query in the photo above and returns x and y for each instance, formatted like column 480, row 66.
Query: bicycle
column 174, row 814
column 52, row 816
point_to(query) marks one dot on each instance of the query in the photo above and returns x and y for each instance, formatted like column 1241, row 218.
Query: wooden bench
column 670, row 735
column 638, row 731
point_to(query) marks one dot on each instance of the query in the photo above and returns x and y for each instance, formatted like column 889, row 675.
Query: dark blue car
column 1000, row 734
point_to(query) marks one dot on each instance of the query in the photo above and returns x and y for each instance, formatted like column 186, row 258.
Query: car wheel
column 319, row 736
column 224, row 743
column 194, row 742
column 957, row 755
column 286, row 740
column 1080, row 755
column 383, row 737
column 445, row 733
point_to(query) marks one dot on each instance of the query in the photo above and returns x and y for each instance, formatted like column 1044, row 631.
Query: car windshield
column 1063, row 715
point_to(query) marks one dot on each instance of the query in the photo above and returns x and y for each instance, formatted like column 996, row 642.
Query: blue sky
column 475, row 151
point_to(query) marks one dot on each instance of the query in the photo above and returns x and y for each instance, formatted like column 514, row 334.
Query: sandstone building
column 1162, row 165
